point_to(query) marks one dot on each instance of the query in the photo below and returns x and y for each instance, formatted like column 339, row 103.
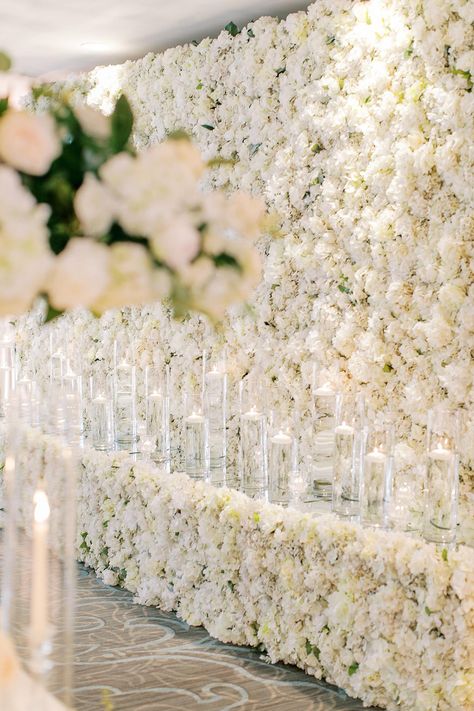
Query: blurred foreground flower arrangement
column 86, row 222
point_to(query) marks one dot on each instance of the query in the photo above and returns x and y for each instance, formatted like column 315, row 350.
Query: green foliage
column 388, row 368
column 467, row 76
column 312, row 649
column 232, row 29
column 218, row 161
column 353, row 668
column 178, row 135
column 253, row 148
column 3, row 105
column 121, row 125
column 52, row 313
column 208, row 126
column 226, row 260
column 5, row 62
column 444, row 555
column 280, row 70
column 342, row 286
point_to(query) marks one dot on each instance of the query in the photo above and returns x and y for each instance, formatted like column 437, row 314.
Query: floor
column 134, row 658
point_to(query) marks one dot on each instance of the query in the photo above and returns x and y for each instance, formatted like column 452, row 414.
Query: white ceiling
column 46, row 36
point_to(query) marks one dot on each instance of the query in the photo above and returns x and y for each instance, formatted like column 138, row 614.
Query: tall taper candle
column 39, row 586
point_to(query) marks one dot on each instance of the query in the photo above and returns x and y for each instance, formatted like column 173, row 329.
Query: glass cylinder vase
column 442, row 476
column 348, row 448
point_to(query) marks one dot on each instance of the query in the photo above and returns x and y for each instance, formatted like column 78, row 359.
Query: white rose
column 95, row 206
column 451, row 297
column 131, row 277
column 93, row 122
column 25, row 256
column 219, row 293
column 80, row 274
column 177, row 244
column 110, row 577
column 28, row 142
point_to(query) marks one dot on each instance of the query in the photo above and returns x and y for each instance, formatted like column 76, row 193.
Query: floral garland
column 388, row 618
column 86, row 222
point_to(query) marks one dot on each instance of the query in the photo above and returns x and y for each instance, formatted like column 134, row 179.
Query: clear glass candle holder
column 377, row 462
column 101, row 412
column 253, row 453
column 442, row 476
column 196, row 438
column 73, row 396
column 321, row 460
column 125, row 417
column 215, row 409
column 348, row 448
column 158, row 413
column 282, row 462
column 404, row 509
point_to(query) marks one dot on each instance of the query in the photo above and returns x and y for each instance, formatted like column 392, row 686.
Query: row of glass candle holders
column 352, row 465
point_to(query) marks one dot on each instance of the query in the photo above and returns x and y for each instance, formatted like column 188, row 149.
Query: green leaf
column 218, row 161
column 353, row 668
column 316, row 148
column 121, row 124
column 256, row 517
column 3, row 105
column 312, row 649
column 388, row 368
column 226, row 260
column 208, row 126
column 250, row 32
column 253, row 148
column 51, row 314
column 178, row 135
column 330, row 39
column 231, row 585
column 280, row 70
column 199, row 85
column 5, row 62
column 232, row 29
column 428, row 611
column 467, row 76
column 409, row 50
column 444, row 555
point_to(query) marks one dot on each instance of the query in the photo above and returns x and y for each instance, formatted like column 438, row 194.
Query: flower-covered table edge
column 388, row 618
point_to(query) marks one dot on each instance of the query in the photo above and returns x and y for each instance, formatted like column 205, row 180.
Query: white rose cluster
column 384, row 616
column 186, row 240
column 25, row 257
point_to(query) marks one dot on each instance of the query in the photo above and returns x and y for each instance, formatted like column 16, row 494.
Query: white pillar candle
column 252, row 414
column 440, row 453
column 281, row 438
column 344, row 429
column 375, row 457
column 195, row 419
column 39, row 587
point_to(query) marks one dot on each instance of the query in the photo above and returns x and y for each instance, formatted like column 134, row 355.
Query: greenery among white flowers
column 87, row 222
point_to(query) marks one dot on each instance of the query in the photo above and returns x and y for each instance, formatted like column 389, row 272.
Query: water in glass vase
column 253, row 455
column 280, row 468
column 196, row 453
column 372, row 503
column 346, row 475
column 441, row 496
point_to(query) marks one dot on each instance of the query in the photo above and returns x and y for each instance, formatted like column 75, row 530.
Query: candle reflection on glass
column 39, row 585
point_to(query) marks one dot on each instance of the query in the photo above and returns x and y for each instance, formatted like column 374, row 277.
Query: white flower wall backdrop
column 355, row 121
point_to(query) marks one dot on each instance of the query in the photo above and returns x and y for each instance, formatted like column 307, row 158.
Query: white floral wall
column 355, row 120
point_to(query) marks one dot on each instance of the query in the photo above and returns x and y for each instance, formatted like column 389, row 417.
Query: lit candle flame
column 41, row 507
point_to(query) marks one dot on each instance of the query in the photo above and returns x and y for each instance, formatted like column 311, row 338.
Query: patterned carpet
column 134, row 658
